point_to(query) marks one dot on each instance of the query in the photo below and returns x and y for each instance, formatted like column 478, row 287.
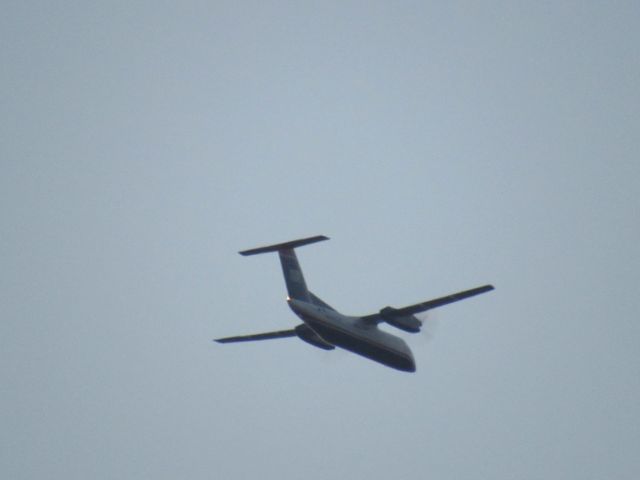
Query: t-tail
column 296, row 286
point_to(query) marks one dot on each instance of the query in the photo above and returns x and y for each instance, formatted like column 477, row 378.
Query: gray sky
column 440, row 145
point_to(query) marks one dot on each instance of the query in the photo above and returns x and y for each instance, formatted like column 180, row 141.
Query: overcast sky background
column 440, row 145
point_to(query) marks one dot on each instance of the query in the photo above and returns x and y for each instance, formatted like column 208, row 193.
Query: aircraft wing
column 438, row 302
column 391, row 315
column 258, row 336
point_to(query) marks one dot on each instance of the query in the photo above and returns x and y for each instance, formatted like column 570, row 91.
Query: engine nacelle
column 306, row 334
column 408, row 323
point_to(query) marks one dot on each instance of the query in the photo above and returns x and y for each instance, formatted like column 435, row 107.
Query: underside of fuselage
column 344, row 332
column 366, row 348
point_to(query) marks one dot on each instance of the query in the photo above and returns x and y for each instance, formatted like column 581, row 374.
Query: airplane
column 326, row 328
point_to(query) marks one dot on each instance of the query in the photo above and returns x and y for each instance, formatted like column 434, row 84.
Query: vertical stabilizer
column 293, row 277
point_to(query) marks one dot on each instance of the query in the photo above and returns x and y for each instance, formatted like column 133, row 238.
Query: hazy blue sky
column 440, row 145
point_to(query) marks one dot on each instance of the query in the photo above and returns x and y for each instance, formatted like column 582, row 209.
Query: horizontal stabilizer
column 284, row 246
column 258, row 336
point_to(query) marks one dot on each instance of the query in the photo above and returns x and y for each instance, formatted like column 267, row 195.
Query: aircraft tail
column 296, row 286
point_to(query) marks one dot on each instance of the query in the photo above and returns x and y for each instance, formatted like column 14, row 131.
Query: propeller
column 429, row 321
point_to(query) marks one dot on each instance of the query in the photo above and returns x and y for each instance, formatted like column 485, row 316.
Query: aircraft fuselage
column 351, row 333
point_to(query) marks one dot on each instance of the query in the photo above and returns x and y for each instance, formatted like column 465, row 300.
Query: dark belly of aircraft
column 364, row 347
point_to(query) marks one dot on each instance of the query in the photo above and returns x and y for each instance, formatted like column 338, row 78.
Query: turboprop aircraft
column 325, row 328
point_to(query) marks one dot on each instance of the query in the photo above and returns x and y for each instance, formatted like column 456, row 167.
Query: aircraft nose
column 410, row 363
